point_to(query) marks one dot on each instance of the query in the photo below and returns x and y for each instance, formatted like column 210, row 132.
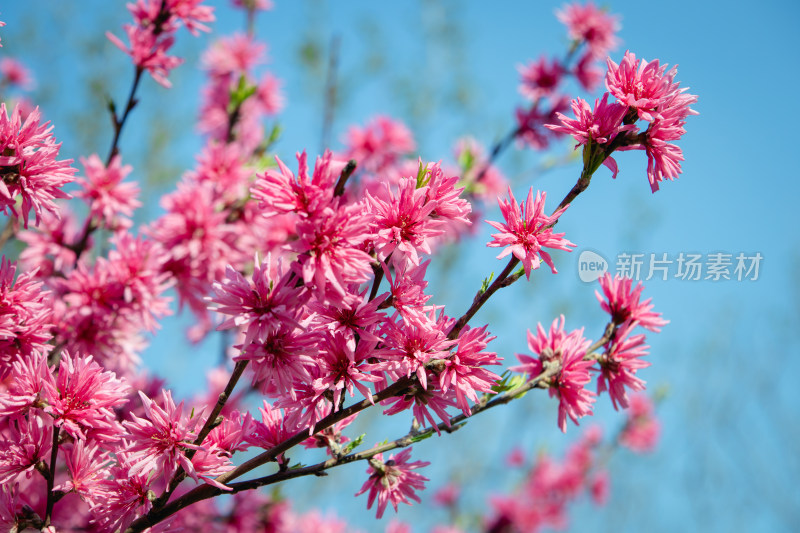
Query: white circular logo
column 591, row 266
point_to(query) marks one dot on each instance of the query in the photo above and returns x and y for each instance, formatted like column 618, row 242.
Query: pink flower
column 663, row 158
column 110, row 201
column 620, row 363
column 380, row 144
column 531, row 121
column 25, row 315
column 82, row 399
column 136, row 264
column 658, row 99
column 464, row 372
column 342, row 368
column 402, row 223
column 407, row 290
column 527, row 230
column 236, row 54
column 87, row 467
column 269, row 95
column 587, row 73
column 447, row 496
column 354, row 316
column 589, row 24
column 149, row 51
column 642, row 430
column 15, row 73
column 568, row 383
column 623, row 305
column 50, row 247
column 153, row 33
column 157, row 444
column 540, row 79
column 199, row 241
column 270, row 431
column 23, row 446
column 411, row 345
column 515, row 458
column 640, row 85
column 443, row 189
column 267, row 303
column 393, row 481
column 599, row 487
column 330, row 249
column 421, row 402
column 191, row 13
column 28, row 165
column 601, row 125
column 24, row 392
column 280, row 358
column 122, row 498
column 282, row 192
column 224, row 166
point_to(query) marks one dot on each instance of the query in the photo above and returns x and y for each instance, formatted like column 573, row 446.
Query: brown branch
column 211, row 423
column 51, row 477
column 205, row 492
column 481, row 297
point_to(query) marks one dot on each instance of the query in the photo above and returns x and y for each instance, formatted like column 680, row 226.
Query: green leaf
column 466, row 160
column 423, row 175
column 486, row 282
column 508, row 382
column 353, row 444
column 242, row 92
column 423, row 436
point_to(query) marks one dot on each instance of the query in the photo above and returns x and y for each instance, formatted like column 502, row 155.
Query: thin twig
column 205, row 492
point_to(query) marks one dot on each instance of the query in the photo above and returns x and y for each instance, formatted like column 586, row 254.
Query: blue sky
column 729, row 457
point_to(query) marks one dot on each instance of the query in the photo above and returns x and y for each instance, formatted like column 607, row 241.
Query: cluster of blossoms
column 29, row 167
column 564, row 360
column 592, row 32
column 550, row 486
column 230, row 63
column 292, row 264
column 644, row 91
column 153, row 33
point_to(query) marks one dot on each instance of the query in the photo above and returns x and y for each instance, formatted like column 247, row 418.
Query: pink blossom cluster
column 29, row 167
column 230, row 64
column 565, row 360
column 643, row 91
column 526, row 230
column 153, row 33
column 550, row 486
column 319, row 273
column 382, row 149
column 593, row 34
column 309, row 327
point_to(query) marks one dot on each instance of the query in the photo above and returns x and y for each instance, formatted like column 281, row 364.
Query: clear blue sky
column 729, row 457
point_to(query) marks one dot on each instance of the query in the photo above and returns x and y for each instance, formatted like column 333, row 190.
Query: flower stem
column 51, row 500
